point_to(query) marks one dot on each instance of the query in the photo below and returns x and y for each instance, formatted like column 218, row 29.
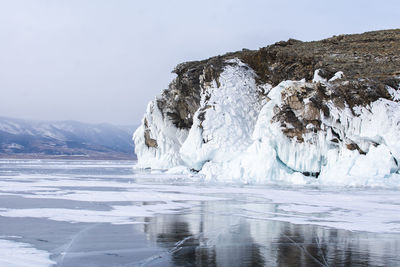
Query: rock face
column 286, row 111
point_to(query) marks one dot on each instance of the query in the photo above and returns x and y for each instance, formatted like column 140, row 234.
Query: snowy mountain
column 324, row 112
column 22, row 138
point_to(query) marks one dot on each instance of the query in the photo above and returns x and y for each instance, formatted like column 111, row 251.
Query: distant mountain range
column 64, row 139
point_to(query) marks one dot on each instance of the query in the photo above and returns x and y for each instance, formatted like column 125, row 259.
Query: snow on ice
column 17, row 254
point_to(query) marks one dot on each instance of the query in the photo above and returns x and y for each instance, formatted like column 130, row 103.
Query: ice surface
column 17, row 254
column 122, row 199
column 88, row 213
column 117, row 215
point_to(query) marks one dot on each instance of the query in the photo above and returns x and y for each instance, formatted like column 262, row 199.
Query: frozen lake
column 103, row 213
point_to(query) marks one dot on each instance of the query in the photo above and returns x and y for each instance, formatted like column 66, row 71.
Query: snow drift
column 266, row 117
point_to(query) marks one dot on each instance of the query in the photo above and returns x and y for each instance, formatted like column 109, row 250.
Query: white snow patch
column 394, row 93
column 317, row 78
column 118, row 214
column 18, row 254
column 338, row 75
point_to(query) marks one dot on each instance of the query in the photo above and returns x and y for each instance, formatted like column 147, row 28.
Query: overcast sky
column 103, row 60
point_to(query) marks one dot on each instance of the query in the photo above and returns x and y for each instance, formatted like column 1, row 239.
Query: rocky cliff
column 292, row 111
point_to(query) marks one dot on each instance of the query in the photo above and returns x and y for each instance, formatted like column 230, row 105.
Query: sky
column 103, row 60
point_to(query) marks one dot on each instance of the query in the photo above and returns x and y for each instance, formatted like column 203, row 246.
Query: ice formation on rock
column 331, row 129
column 159, row 140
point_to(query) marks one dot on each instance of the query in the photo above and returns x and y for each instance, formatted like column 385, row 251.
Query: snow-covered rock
column 284, row 113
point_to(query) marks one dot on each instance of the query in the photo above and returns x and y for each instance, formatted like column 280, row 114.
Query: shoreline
column 67, row 157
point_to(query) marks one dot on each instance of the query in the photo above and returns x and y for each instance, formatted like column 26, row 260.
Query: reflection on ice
column 208, row 238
